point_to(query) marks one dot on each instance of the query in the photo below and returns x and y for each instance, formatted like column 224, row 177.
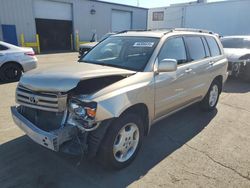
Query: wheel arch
column 219, row 79
column 140, row 109
column 12, row 62
column 96, row 137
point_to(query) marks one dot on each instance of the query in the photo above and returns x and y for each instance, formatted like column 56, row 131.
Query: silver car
column 14, row 60
column 106, row 104
column 237, row 50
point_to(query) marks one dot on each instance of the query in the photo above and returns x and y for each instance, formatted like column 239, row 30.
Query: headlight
column 82, row 114
column 77, row 109
column 85, row 110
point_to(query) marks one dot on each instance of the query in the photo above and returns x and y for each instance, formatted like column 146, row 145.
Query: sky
column 152, row 3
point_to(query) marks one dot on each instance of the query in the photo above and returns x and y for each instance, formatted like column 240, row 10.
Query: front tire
column 121, row 142
column 212, row 97
column 10, row 72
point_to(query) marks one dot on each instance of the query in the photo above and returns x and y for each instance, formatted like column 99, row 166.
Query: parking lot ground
column 188, row 149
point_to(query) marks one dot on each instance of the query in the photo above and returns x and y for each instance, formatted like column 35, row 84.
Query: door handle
column 211, row 63
column 188, row 70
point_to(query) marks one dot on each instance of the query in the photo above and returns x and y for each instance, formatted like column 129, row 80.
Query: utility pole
column 138, row 3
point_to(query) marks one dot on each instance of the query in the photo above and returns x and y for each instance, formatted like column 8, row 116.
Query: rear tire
column 10, row 72
column 122, row 142
column 212, row 97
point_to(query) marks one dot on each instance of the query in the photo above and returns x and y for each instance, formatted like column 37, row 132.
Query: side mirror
column 167, row 65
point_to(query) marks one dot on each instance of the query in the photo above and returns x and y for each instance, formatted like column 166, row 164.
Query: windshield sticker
column 144, row 44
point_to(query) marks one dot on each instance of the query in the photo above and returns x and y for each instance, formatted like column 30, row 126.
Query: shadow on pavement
column 234, row 85
column 2, row 83
column 25, row 164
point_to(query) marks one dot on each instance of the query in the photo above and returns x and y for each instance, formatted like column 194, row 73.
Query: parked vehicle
column 84, row 48
column 14, row 60
column 106, row 104
column 237, row 50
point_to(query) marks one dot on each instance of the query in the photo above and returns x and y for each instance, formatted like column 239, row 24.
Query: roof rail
column 125, row 31
column 193, row 30
column 168, row 30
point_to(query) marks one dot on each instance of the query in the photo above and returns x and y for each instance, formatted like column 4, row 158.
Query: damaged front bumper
column 51, row 139
column 235, row 68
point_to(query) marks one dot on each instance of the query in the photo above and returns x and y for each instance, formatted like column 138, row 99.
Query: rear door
column 198, row 57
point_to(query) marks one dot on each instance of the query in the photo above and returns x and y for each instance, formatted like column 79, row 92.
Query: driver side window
column 174, row 48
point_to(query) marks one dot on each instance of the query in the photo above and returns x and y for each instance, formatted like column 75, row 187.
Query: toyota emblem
column 33, row 99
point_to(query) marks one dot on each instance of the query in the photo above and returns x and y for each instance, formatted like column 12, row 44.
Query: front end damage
column 62, row 121
column 237, row 68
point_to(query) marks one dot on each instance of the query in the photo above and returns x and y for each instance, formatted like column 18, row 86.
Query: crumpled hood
column 66, row 77
column 233, row 54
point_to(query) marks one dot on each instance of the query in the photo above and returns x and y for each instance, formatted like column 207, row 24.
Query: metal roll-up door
column 54, row 25
column 121, row 20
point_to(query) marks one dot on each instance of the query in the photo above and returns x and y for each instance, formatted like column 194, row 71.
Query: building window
column 158, row 16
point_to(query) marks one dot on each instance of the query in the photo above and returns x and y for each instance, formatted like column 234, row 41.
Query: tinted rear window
column 195, row 48
column 206, row 47
column 213, row 46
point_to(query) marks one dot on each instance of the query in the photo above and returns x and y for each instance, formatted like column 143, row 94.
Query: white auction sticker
column 143, row 44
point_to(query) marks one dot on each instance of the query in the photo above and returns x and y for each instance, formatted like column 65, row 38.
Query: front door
column 171, row 87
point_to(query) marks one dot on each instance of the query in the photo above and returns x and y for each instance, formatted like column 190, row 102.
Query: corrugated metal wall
column 225, row 18
column 100, row 22
column 21, row 14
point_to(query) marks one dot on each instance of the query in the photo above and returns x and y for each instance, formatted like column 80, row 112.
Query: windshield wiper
column 104, row 64
column 111, row 65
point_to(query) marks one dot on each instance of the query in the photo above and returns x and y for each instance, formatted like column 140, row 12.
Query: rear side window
column 174, row 48
column 195, row 48
column 213, row 46
column 3, row 48
column 206, row 47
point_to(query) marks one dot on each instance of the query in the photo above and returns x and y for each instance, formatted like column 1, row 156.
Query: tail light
column 30, row 53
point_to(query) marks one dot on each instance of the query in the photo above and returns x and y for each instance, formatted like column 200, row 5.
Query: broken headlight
column 82, row 114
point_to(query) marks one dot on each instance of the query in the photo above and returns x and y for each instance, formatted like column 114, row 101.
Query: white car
column 14, row 61
column 237, row 50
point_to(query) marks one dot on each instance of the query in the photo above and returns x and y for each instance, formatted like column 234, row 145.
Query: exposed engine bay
column 66, row 125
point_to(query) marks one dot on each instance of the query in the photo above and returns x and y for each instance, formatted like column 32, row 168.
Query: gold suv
column 104, row 105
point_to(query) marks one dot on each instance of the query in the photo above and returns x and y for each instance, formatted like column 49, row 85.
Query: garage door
column 54, row 25
column 121, row 20
column 52, row 10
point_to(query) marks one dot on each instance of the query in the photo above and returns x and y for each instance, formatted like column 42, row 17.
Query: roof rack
column 192, row 30
column 125, row 31
column 168, row 30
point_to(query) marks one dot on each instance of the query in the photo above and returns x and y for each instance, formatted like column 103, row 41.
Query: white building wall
column 21, row 13
column 225, row 18
column 85, row 23
column 173, row 17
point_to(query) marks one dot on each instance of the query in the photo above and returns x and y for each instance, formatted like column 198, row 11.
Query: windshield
column 106, row 36
column 236, row 43
column 130, row 53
